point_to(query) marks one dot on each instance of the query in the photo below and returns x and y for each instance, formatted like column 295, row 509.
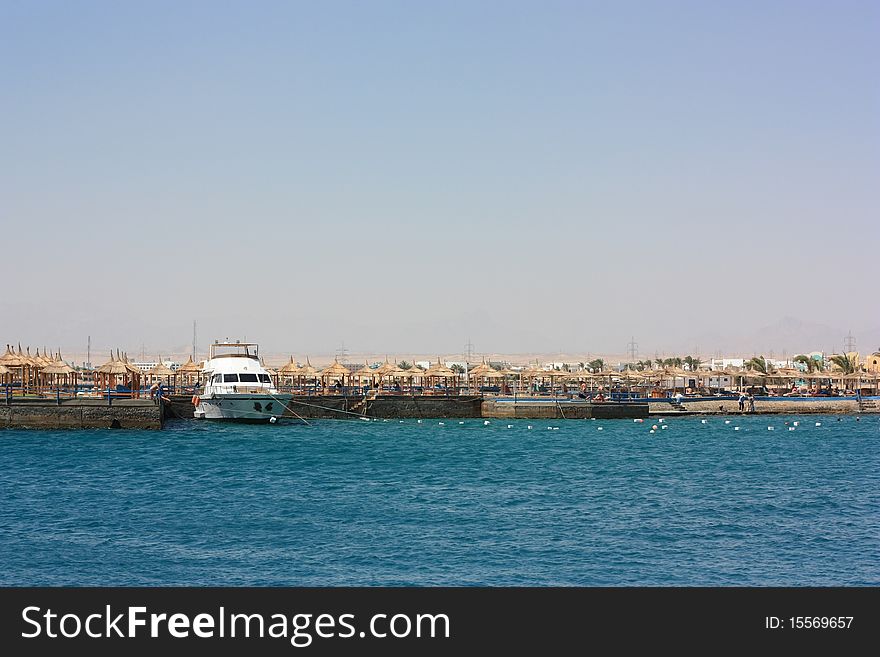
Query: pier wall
column 551, row 410
column 342, row 408
column 389, row 407
column 774, row 406
column 81, row 414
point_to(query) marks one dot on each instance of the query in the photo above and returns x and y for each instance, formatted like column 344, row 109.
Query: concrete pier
column 80, row 414
column 382, row 406
column 561, row 409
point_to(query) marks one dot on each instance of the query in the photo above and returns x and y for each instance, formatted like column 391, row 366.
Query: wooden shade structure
column 160, row 370
column 18, row 361
column 386, row 369
column 189, row 372
column 335, row 370
column 61, row 372
column 307, row 371
column 439, row 371
column 290, row 368
column 117, row 371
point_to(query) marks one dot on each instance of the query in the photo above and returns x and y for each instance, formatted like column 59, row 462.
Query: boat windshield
column 234, row 350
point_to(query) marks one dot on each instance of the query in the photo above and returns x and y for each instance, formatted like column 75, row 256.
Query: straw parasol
column 480, row 369
column 112, row 367
column 307, row 370
column 336, row 369
column 189, row 367
column 160, row 370
column 365, row 372
column 532, row 372
column 9, row 359
column 289, row 368
column 440, row 371
column 385, row 369
column 58, row 367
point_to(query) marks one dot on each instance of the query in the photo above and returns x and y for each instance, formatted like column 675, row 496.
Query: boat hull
column 243, row 408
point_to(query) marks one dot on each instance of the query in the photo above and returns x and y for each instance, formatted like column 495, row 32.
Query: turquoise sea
column 422, row 503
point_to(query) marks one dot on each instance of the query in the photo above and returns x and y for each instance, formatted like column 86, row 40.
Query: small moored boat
column 237, row 386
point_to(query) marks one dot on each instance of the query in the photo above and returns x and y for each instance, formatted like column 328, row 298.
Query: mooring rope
column 297, row 415
column 328, row 408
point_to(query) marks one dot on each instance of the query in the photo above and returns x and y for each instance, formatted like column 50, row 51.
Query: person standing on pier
column 751, row 403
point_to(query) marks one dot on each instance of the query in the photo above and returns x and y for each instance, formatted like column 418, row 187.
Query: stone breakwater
column 771, row 406
column 81, row 414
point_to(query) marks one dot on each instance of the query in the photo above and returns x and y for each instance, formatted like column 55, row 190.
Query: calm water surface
column 390, row 503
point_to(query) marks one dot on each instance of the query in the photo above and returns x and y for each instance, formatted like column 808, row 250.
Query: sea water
column 409, row 503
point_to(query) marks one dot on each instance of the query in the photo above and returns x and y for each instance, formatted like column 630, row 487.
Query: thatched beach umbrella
column 307, row 372
column 334, row 371
column 18, row 361
column 289, row 370
column 110, row 372
column 385, row 369
column 189, row 372
column 440, row 371
column 58, row 368
column 413, row 373
column 366, row 372
column 160, row 370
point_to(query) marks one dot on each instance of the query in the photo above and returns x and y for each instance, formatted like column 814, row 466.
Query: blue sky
column 404, row 176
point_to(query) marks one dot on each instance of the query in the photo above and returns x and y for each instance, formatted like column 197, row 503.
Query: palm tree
column 844, row 362
column 660, row 362
column 458, row 369
column 811, row 363
column 596, row 365
column 757, row 363
column 404, row 365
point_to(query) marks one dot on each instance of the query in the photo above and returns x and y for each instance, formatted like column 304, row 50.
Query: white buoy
column 440, row 423
column 818, row 424
column 485, row 422
column 555, row 428
column 665, row 426
column 791, row 428
column 510, row 426
column 704, row 421
column 726, row 421
column 461, row 422
column 796, row 423
column 401, row 421
column 530, row 426
column 419, row 421
column 736, row 428
column 770, row 429
column 651, row 431
column 273, row 420
column 600, row 428
column 661, row 419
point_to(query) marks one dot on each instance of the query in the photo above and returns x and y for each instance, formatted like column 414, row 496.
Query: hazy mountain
column 789, row 335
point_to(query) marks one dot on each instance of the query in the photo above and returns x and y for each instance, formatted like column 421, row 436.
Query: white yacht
column 237, row 387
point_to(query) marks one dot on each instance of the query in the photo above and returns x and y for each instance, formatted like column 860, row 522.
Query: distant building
column 872, row 362
column 146, row 366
